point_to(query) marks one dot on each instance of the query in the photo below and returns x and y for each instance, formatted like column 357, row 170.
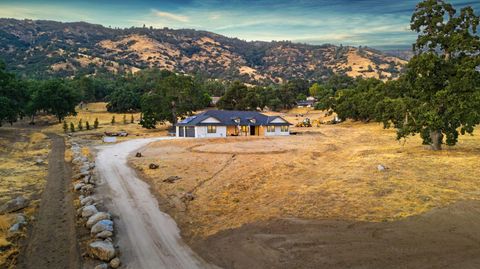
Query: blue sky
column 376, row 23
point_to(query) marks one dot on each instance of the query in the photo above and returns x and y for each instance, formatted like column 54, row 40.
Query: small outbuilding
column 223, row 123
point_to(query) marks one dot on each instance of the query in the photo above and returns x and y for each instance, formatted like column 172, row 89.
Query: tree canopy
column 175, row 96
column 440, row 92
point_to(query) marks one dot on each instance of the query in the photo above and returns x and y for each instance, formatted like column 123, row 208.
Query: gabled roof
column 232, row 118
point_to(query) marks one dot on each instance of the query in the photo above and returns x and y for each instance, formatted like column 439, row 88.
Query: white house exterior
column 219, row 123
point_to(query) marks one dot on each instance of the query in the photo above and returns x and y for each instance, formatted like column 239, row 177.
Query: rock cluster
column 20, row 222
column 14, row 205
column 99, row 223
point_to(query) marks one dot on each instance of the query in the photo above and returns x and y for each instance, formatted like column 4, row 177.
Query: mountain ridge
column 42, row 48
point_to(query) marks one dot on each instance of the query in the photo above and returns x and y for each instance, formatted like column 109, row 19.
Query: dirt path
column 53, row 243
column 148, row 238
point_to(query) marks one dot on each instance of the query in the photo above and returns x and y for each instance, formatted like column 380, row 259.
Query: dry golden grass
column 20, row 175
column 93, row 111
column 5, row 223
column 329, row 173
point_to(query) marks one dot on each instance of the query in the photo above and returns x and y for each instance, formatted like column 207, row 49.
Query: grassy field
column 329, row 172
column 20, row 175
column 92, row 111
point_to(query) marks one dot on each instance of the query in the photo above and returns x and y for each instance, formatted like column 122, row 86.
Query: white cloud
column 171, row 16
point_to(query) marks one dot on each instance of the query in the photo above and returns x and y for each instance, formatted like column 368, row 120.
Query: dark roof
column 231, row 118
column 305, row 103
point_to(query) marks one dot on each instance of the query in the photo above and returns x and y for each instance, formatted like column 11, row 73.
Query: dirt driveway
column 148, row 238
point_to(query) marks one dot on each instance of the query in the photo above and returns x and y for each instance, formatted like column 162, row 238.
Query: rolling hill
column 48, row 48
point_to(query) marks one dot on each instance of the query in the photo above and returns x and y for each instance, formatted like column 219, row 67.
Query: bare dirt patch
column 442, row 238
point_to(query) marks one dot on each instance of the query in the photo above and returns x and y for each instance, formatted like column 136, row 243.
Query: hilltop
column 42, row 48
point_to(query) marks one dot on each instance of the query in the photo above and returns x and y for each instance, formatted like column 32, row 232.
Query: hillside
column 49, row 48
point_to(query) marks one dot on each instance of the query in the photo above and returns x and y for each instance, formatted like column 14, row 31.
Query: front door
column 252, row 130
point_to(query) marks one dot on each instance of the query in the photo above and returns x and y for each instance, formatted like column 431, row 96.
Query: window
column 284, row 128
column 271, row 129
column 244, row 129
column 211, row 129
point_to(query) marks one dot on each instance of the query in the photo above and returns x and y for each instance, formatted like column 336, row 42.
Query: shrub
column 65, row 127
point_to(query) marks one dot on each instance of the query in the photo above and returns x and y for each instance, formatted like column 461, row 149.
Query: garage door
column 190, row 131
column 181, row 131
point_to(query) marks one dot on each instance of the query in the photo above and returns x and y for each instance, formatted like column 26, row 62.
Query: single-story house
column 223, row 123
column 306, row 103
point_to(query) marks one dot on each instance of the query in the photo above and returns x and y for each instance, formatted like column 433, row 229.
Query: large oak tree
column 440, row 92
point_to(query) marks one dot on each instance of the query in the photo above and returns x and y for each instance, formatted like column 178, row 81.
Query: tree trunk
column 32, row 121
column 436, row 137
column 174, row 113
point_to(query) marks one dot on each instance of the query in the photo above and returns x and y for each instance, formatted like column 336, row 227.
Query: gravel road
column 148, row 238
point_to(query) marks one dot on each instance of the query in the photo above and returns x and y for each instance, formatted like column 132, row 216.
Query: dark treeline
column 21, row 98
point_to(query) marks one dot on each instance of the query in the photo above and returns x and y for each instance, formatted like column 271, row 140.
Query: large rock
column 381, row 168
column 14, row 205
column 104, row 235
column 78, row 186
column 102, row 250
column 87, row 201
column 103, row 225
column 101, row 266
column 97, row 217
column 15, row 228
column 171, row 179
column 89, row 211
column 87, row 189
column 115, row 263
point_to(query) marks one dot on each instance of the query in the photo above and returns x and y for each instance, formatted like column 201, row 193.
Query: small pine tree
column 124, row 119
column 80, row 125
column 65, row 126
column 95, row 123
column 72, row 127
column 87, row 125
column 131, row 119
column 113, row 120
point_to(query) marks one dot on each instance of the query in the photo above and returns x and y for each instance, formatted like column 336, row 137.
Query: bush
column 72, row 127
